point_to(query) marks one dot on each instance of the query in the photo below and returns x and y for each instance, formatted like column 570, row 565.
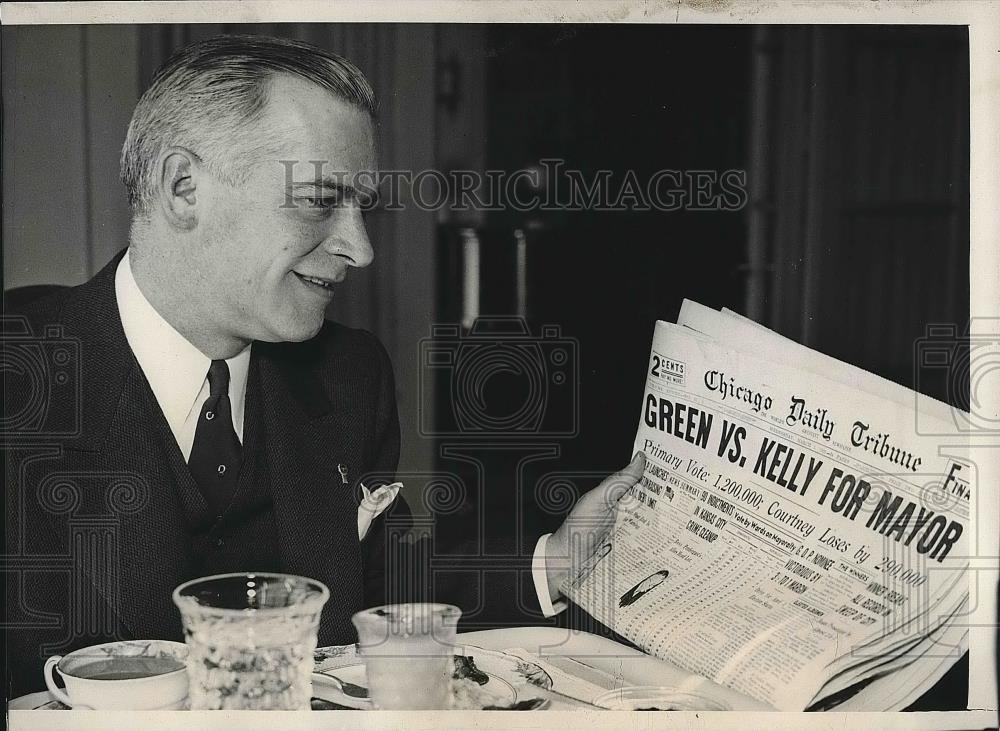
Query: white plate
column 510, row 678
column 41, row 701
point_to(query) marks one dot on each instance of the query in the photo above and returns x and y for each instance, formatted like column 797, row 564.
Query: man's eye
column 320, row 207
column 322, row 202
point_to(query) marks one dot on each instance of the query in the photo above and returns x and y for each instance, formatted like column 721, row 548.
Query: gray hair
column 208, row 94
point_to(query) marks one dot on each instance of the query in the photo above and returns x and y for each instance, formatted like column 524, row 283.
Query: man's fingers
column 619, row 483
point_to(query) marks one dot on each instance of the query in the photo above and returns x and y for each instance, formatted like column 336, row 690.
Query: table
column 554, row 645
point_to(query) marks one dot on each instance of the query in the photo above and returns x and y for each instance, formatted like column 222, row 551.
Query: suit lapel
column 306, row 437
column 155, row 550
column 122, row 467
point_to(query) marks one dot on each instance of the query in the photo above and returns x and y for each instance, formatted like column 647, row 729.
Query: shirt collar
column 175, row 369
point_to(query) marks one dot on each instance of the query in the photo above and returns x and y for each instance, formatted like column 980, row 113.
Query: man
column 222, row 423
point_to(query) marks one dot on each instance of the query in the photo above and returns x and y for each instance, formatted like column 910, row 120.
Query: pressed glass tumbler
column 251, row 639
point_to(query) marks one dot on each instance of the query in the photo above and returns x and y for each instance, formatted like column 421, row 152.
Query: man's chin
column 297, row 332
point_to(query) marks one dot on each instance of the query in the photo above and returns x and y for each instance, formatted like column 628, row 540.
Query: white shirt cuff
column 549, row 608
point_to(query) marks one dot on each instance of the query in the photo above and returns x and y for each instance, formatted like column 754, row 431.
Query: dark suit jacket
column 95, row 537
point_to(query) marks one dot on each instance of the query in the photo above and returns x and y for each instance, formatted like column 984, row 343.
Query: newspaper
column 795, row 534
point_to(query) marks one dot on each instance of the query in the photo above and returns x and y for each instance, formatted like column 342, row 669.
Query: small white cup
column 163, row 691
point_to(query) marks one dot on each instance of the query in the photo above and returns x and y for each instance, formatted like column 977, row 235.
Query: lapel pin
column 343, row 473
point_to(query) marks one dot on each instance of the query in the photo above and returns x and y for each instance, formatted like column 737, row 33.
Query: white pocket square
column 373, row 504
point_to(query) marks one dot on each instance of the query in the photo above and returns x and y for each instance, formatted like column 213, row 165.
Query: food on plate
column 467, row 695
column 465, row 668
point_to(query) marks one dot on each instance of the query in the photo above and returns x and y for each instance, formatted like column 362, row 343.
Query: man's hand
column 590, row 520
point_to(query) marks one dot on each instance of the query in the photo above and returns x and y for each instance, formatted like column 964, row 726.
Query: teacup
column 134, row 675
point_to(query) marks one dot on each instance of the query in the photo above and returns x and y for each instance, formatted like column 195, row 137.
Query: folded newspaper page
column 795, row 534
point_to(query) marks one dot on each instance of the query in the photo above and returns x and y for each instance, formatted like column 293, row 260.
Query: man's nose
column 349, row 239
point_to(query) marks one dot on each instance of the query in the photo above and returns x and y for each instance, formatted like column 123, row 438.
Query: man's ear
column 179, row 170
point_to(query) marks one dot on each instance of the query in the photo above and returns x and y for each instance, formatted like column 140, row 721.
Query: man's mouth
column 320, row 282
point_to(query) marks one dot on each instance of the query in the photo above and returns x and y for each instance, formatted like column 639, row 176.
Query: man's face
column 276, row 246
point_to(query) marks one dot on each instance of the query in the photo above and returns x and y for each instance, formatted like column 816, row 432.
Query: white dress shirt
column 176, row 370
column 177, row 373
column 549, row 608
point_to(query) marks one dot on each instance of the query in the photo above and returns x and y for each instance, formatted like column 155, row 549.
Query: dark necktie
column 216, row 452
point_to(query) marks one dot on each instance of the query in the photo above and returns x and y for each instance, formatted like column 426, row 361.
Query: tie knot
column 218, row 378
